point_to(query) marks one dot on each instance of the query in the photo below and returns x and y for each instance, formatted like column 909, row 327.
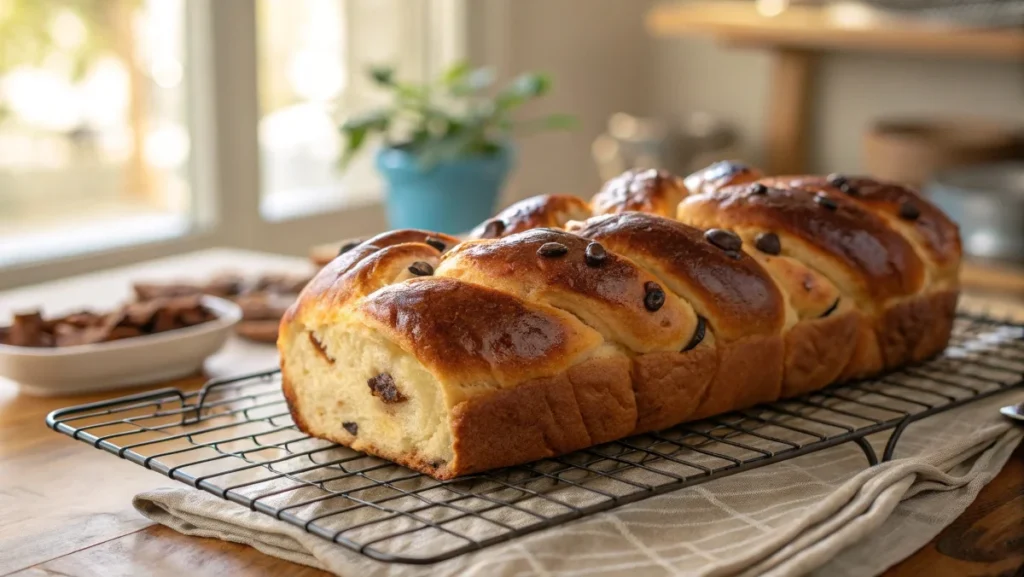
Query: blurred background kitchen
column 134, row 129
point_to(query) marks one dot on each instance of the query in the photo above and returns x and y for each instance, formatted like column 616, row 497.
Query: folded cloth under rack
column 824, row 513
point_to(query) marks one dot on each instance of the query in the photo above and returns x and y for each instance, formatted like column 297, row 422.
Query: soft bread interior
column 335, row 392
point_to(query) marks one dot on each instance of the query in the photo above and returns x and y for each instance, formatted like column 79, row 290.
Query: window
column 94, row 140
column 312, row 62
column 193, row 122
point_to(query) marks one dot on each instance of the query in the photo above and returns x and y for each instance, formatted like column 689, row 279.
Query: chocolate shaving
column 132, row 320
column 909, row 211
column 831, row 309
column 654, row 296
column 383, row 387
column 436, row 243
column 768, row 243
column 493, row 229
column 825, row 202
column 348, row 246
column 321, row 350
column 723, row 239
column 595, row 254
column 420, row 268
column 552, row 249
column 698, row 334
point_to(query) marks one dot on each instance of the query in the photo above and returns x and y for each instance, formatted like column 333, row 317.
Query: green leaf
column 383, row 75
column 525, row 87
column 532, row 85
column 470, row 82
column 358, row 128
column 455, row 74
column 412, row 93
column 480, row 78
column 559, row 122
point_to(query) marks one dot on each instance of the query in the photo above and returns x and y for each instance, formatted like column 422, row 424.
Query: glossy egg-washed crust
column 547, row 349
column 547, row 210
column 652, row 191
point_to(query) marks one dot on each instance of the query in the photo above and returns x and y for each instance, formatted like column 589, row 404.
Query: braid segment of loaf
column 663, row 301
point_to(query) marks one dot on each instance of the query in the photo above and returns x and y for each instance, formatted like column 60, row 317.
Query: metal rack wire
column 235, row 439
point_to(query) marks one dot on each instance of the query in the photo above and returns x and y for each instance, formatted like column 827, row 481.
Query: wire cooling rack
column 236, row 440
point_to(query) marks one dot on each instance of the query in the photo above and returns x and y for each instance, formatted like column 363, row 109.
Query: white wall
column 598, row 53
column 851, row 90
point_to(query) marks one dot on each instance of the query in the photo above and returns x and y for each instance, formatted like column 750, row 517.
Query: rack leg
column 890, row 447
column 869, row 451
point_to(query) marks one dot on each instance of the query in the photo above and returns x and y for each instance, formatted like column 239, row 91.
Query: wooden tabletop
column 66, row 507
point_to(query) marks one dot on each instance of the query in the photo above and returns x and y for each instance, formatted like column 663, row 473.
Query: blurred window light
column 312, row 58
column 771, row 8
column 94, row 139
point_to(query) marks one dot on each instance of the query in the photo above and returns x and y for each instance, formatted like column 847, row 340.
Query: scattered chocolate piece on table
column 262, row 298
column 82, row 328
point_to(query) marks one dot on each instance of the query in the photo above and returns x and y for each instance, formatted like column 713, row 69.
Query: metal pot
column 987, row 201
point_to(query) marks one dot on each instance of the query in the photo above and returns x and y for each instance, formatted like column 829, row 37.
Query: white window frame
column 223, row 112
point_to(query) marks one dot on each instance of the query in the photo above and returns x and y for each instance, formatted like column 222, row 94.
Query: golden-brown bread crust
column 608, row 294
column 750, row 371
column 744, row 309
column 735, row 294
column 356, row 274
column 547, row 210
column 916, row 328
column 817, row 351
column 852, row 246
column 474, row 334
column 669, row 386
column 652, row 191
column 719, row 175
column 324, row 254
column 904, row 209
column 589, row 403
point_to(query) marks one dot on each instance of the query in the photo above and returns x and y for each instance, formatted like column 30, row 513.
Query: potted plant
column 447, row 144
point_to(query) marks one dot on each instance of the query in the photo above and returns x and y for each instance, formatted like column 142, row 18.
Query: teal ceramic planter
column 451, row 197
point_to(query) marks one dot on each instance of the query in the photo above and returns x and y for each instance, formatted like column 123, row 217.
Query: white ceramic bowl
column 128, row 362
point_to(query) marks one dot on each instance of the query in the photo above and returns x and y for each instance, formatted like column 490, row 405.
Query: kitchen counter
column 67, row 507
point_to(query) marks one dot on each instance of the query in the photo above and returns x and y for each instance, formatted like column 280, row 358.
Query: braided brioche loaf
column 562, row 324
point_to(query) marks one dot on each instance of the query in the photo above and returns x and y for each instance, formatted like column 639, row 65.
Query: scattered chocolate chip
column 723, row 239
column 698, row 334
column 436, row 243
column 831, row 309
column 909, row 210
column 383, row 387
column 768, row 243
column 28, row 330
column 654, row 297
column 494, row 228
column 349, row 246
column 352, row 428
column 595, row 254
column 758, row 188
column 836, row 180
column 552, row 249
column 321, row 351
column 825, row 202
column 420, row 268
column 848, row 189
